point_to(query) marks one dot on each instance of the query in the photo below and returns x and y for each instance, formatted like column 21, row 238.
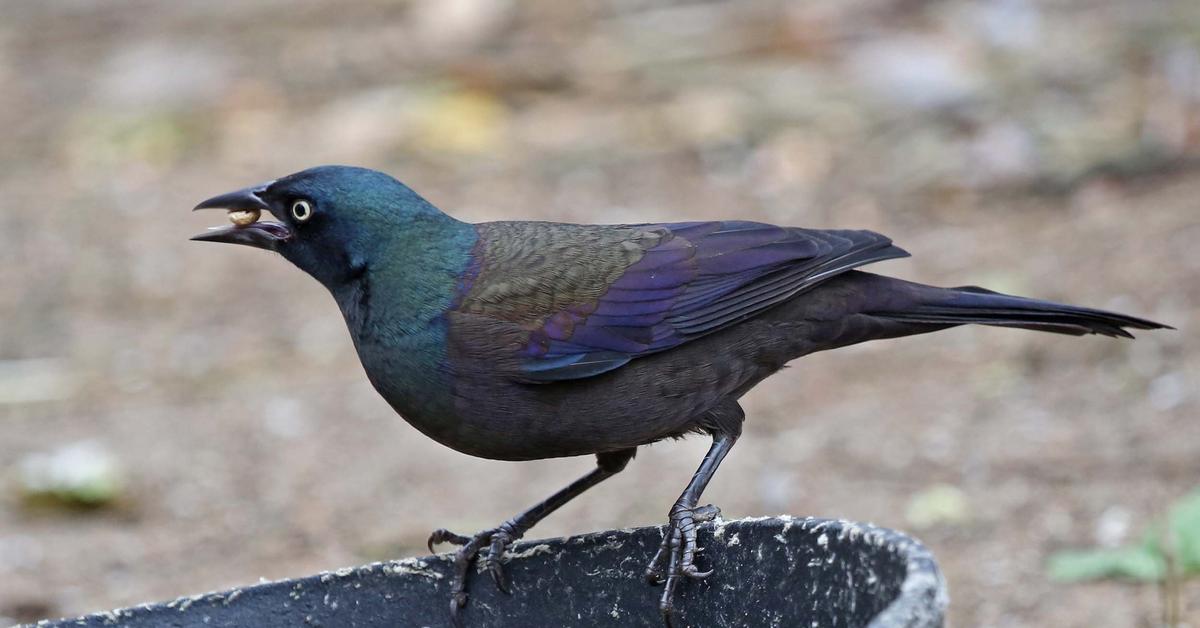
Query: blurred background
column 178, row 417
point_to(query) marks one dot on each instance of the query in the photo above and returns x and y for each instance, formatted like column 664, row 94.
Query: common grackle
column 529, row 340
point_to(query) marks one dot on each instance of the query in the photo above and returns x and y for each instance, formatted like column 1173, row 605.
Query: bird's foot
column 493, row 543
column 676, row 555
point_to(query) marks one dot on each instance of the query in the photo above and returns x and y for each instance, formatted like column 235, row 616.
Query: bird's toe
column 498, row 577
column 695, row 574
column 494, row 561
column 666, row 608
column 442, row 535
column 707, row 512
column 654, row 575
column 456, row 614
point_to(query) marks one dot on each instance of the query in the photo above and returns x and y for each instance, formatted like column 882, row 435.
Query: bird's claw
column 496, row 540
column 676, row 554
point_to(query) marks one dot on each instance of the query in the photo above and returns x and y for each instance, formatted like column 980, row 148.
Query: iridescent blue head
column 331, row 221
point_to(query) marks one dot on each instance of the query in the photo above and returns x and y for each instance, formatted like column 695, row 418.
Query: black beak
column 245, row 198
column 261, row 234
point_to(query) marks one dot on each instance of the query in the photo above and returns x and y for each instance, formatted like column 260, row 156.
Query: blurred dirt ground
column 1045, row 148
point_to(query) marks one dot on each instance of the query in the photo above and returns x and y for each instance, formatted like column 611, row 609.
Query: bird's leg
column 497, row 539
column 677, row 552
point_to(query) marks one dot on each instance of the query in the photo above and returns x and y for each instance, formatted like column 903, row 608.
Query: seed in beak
column 244, row 217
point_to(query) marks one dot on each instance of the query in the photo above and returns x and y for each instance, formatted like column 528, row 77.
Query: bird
column 525, row 340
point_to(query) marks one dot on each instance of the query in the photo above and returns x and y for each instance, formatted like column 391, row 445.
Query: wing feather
column 658, row 286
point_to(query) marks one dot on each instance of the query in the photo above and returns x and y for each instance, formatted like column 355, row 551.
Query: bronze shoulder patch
column 531, row 270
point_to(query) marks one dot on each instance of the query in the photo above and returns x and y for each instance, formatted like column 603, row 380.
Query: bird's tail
column 942, row 307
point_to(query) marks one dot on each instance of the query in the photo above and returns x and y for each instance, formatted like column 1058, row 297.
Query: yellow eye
column 302, row 210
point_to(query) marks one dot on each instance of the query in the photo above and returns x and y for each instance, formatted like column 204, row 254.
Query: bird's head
column 329, row 220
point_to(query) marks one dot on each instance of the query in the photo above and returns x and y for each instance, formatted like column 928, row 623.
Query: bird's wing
column 595, row 297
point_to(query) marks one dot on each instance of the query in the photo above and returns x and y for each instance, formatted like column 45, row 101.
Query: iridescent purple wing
column 698, row 278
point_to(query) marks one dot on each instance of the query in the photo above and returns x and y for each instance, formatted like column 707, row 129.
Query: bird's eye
column 302, row 210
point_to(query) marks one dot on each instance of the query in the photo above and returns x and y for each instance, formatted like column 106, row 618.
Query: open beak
column 263, row 234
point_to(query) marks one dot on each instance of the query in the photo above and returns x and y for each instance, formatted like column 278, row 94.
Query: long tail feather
column 974, row 305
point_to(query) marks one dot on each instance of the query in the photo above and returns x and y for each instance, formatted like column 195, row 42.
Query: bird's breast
column 412, row 374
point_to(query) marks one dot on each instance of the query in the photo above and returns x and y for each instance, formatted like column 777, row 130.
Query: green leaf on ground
column 1176, row 537
column 1136, row 563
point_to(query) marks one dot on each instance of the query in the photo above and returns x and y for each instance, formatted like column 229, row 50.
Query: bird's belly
column 527, row 422
column 651, row 398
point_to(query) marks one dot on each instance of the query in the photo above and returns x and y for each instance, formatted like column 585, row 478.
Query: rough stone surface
column 770, row 572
